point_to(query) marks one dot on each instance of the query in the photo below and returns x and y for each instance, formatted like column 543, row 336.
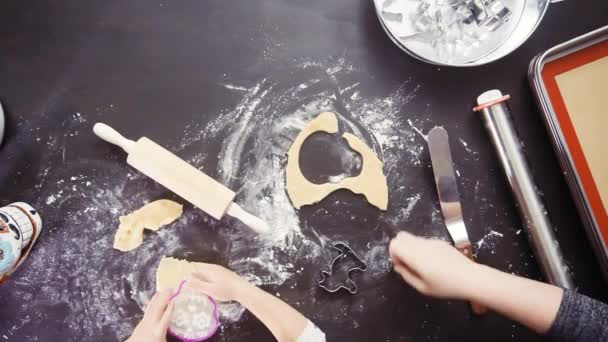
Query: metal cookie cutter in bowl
column 340, row 269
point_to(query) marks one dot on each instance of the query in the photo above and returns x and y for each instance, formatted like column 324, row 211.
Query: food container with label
column 20, row 226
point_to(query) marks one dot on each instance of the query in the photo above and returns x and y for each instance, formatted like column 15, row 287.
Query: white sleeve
column 311, row 334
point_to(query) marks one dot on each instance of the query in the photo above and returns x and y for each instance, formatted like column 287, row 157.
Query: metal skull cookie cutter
column 342, row 266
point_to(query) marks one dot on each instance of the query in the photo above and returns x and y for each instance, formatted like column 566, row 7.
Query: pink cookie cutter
column 214, row 315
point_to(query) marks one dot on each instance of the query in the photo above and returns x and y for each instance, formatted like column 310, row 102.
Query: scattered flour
column 405, row 212
column 51, row 199
column 255, row 137
column 489, row 240
column 81, row 197
column 233, row 87
column 422, row 135
column 73, row 267
column 466, row 146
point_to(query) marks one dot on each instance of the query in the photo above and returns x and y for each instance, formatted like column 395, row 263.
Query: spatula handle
column 110, row 135
column 468, row 252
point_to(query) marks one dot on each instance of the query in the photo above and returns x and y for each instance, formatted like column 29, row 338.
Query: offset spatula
column 449, row 198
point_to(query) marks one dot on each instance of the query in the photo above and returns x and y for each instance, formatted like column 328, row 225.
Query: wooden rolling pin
column 180, row 177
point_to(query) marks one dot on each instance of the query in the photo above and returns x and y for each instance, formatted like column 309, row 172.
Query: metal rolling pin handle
column 497, row 119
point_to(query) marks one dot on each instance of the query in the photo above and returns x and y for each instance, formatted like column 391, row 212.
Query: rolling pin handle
column 255, row 223
column 110, row 135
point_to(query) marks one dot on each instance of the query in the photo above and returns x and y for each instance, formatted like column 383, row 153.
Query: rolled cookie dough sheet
column 172, row 271
column 370, row 183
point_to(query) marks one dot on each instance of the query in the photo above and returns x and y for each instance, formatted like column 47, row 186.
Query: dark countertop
column 160, row 70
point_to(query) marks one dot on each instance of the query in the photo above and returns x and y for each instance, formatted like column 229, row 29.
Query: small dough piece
column 371, row 182
column 130, row 233
column 172, row 271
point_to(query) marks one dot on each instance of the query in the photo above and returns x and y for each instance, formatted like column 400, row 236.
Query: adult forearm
column 529, row 302
column 285, row 323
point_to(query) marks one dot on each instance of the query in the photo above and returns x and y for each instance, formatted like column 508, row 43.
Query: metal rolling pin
column 497, row 119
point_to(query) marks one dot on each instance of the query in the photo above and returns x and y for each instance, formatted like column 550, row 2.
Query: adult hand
column 157, row 315
column 217, row 282
column 433, row 267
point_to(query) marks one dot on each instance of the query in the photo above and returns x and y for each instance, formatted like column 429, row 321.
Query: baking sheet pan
column 544, row 72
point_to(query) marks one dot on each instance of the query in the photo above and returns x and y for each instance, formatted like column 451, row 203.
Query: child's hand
column 432, row 267
column 157, row 315
column 217, row 282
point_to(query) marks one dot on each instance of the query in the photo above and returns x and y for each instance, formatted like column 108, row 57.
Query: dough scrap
column 172, row 271
column 130, row 233
column 371, row 182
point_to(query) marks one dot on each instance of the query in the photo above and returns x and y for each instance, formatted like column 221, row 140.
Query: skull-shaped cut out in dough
column 371, row 182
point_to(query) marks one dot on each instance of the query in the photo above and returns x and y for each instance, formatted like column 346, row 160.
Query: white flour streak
column 255, row 137
column 410, row 205
column 234, row 87
column 405, row 211
column 73, row 266
column 51, row 199
column 243, row 113
column 349, row 88
column 466, row 146
column 337, row 178
column 489, row 240
column 96, row 284
column 416, row 130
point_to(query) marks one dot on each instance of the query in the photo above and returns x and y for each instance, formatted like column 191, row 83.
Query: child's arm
column 437, row 269
column 285, row 323
column 532, row 303
column 580, row 318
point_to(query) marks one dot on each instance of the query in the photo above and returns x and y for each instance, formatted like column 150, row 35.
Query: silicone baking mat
column 577, row 136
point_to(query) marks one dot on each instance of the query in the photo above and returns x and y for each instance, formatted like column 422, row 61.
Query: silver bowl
column 525, row 18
